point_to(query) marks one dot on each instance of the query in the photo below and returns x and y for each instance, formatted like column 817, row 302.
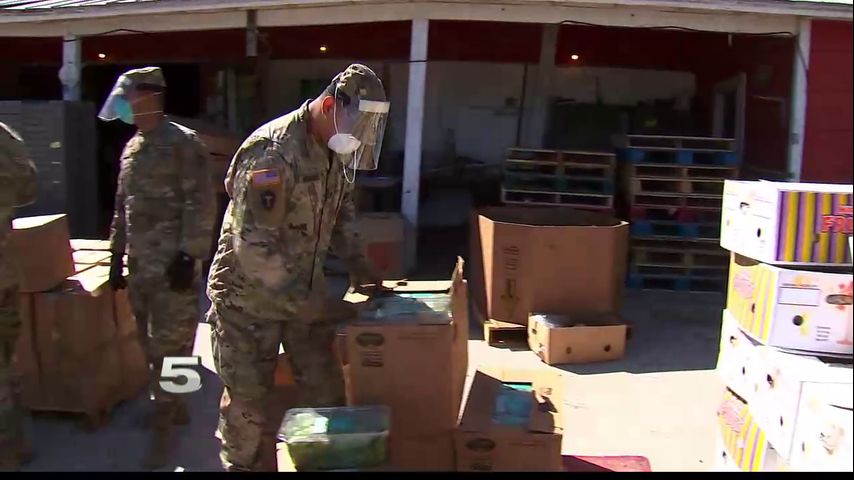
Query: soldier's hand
column 181, row 272
column 117, row 267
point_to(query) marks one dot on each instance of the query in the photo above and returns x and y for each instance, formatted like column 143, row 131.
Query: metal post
column 69, row 73
column 797, row 115
column 414, row 127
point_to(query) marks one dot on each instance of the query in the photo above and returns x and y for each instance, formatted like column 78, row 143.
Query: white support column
column 69, row 73
column 540, row 90
column 414, row 126
column 798, row 104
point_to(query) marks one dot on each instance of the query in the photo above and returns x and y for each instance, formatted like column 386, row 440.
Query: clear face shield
column 117, row 106
column 359, row 131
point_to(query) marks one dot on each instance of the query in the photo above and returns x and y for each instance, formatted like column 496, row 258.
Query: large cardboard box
column 422, row 453
column 126, row 323
column 87, row 383
column 787, row 223
column 780, row 392
column 794, row 309
column 737, row 359
column 504, row 429
column 579, row 338
column 555, row 260
column 383, row 236
column 72, row 320
column 42, row 251
column 745, row 442
column 413, row 363
column 133, row 365
column 823, row 431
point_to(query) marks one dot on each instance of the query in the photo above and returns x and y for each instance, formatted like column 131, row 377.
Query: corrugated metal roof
column 41, row 5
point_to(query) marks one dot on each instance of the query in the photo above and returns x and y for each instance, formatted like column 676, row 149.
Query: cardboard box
column 422, row 453
column 123, row 314
column 73, row 320
column 787, row 223
column 554, row 260
column 89, row 244
column 780, row 392
column 42, row 251
column 415, row 365
column 744, row 441
column 133, row 365
column 25, row 359
column 794, row 309
column 579, row 338
column 823, row 433
column 383, row 235
column 737, row 359
column 86, row 383
column 530, row 442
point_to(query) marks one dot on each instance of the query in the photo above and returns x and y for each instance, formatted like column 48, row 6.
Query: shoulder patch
column 265, row 177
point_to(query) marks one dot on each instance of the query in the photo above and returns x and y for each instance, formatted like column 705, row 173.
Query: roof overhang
column 737, row 16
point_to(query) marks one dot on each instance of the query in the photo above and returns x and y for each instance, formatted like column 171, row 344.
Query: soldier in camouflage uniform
column 164, row 215
column 17, row 188
column 291, row 188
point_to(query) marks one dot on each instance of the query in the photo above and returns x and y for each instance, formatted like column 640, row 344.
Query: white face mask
column 343, row 143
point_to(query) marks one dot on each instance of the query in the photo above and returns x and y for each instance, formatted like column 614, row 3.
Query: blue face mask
column 123, row 110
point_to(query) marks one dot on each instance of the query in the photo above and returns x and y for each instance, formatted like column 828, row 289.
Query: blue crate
column 680, row 157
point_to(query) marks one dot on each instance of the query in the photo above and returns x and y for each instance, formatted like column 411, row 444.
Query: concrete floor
column 658, row 402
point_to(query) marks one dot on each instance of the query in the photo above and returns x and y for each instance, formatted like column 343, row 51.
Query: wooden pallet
column 577, row 158
column 503, row 334
column 678, row 271
column 675, row 200
column 677, row 283
column 552, row 198
column 561, row 183
column 670, row 142
column 644, row 185
column 647, row 228
column 667, row 257
column 698, row 172
column 681, row 214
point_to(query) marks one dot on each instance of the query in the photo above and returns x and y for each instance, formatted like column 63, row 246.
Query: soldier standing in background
column 163, row 220
column 17, row 189
column 291, row 185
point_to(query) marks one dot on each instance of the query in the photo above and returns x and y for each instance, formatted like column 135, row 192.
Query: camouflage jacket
column 289, row 203
column 17, row 189
column 164, row 198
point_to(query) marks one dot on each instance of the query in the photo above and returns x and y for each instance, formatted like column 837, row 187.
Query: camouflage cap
column 359, row 82
column 150, row 76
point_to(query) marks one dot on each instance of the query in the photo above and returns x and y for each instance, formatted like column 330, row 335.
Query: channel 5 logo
column 178, row 376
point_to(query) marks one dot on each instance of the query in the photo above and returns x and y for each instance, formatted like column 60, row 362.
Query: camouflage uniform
column 290, row 202
column 17, row 188
column 164, row 204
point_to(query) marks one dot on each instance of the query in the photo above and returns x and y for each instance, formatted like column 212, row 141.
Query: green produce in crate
column 336, row 438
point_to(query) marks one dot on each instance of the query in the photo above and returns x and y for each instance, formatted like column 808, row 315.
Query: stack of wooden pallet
column 674, row 189
column 561, row 178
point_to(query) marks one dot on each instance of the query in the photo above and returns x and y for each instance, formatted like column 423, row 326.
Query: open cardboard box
column 416, row 366
column 42, row 251
column 556, row 260
column 579, row 338
column 482, row 444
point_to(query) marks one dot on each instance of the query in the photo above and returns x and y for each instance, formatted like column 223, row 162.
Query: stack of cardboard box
column 786, row 339
column 78, row 349
column 557, row 272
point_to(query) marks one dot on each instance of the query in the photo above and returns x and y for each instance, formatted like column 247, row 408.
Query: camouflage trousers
column 11, row 414
column 166, row 322
column 245, row 349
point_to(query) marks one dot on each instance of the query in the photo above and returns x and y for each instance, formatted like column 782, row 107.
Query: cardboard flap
column 24, row 223
column 545, row 415
column 91, row 280
column 89, row 244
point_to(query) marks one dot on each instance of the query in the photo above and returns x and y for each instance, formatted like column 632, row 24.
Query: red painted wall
column 828, row 132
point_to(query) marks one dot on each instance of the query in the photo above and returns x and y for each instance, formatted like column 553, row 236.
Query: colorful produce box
column 787, row 223
column 793, row 309
column 744, row 441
